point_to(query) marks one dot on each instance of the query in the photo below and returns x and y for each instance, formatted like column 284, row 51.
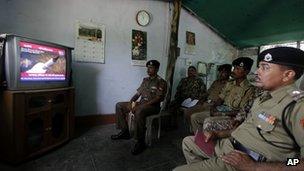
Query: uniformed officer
column 192, row 87
column 217, row 86
column 152, row 91
column 274, row 130
column 234, row 96
column 213, row 92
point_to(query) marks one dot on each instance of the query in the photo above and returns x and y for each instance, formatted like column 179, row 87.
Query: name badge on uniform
column 267, row 118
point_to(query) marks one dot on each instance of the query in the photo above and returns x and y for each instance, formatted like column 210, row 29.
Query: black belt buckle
column 255, row 156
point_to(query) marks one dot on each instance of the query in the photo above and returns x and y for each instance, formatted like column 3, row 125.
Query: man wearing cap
column 213, row 92
column 152, row 91
column 217, row 86
column 274, row 130
column 191, row 87
column 235, row 95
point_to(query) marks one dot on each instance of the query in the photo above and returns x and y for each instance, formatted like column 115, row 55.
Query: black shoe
column 121, row 135
column 139, row 147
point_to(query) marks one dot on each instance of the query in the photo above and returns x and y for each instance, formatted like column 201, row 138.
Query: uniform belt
column 254, row 155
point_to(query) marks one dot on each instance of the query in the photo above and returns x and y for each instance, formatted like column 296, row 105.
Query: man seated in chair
column 234, row 96
column 214, row 91
column 191, row 88
column 271, row 137
column 152, row 92
column 224, row 123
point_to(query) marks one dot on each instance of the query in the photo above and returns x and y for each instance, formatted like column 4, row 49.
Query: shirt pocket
column 153, row 90
column 265, row 121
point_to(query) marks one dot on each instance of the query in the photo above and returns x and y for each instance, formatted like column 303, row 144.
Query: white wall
column 209, row 47
column 98, row 86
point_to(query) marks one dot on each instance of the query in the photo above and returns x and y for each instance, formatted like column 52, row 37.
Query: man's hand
column 131, row 105
column 134, row 109
column 239, row 160
column 210, row 136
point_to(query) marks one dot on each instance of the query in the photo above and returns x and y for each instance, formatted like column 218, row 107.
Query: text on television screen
column 41, row 62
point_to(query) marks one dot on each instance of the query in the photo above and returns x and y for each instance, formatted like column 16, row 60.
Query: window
column 302, row 45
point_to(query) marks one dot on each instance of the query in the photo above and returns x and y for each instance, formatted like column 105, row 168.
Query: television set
column 33, row 64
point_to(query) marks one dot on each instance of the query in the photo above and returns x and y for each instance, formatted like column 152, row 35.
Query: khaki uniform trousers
column 197, row 160
column 188, row 112
column 123, row 109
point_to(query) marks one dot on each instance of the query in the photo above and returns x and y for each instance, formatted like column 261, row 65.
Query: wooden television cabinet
column 34, row 121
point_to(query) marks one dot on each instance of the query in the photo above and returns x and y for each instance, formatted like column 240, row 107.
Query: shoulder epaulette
column 296, row 94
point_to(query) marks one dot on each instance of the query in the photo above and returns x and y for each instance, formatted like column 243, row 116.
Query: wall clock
column 143, row 18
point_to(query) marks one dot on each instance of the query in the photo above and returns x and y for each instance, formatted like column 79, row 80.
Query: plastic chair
column 151, row 118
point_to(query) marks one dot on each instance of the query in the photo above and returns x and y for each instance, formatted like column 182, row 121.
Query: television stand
column 34, row 121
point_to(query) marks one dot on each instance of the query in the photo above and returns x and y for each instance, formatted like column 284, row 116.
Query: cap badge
column 241, row 64
column 268, row 57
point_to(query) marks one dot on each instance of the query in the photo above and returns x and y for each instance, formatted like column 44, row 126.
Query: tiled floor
column 94, row 150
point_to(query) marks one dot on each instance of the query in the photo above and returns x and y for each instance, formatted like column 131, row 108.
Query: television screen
column 41, row 63
column 31, row 64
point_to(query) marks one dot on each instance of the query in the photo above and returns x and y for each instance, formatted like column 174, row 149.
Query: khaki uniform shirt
column 236, row 97
column 215, row 89
column 190, row 87
column 266, row 115
column 152, row 87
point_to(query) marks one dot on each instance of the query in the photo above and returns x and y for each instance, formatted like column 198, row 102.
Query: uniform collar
column 280, row 93
column 192, row 78
column 152, row 78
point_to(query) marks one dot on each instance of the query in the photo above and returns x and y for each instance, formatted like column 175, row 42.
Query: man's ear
column 288, row 75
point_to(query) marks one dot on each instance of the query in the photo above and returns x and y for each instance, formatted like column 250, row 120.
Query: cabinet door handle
column 48, row 129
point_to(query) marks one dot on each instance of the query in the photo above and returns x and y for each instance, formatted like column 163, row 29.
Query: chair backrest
column 163, row 104
column 300, row 83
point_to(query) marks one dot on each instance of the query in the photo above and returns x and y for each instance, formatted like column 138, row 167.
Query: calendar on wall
column 89, row 42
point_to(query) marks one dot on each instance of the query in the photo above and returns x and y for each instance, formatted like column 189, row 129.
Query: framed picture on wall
column 190, row 38
column 139, row 47
column 190, row 43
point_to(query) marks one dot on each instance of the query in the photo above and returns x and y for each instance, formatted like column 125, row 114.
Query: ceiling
column 249, row 23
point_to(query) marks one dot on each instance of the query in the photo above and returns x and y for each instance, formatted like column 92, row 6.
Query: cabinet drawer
column 38, row 101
